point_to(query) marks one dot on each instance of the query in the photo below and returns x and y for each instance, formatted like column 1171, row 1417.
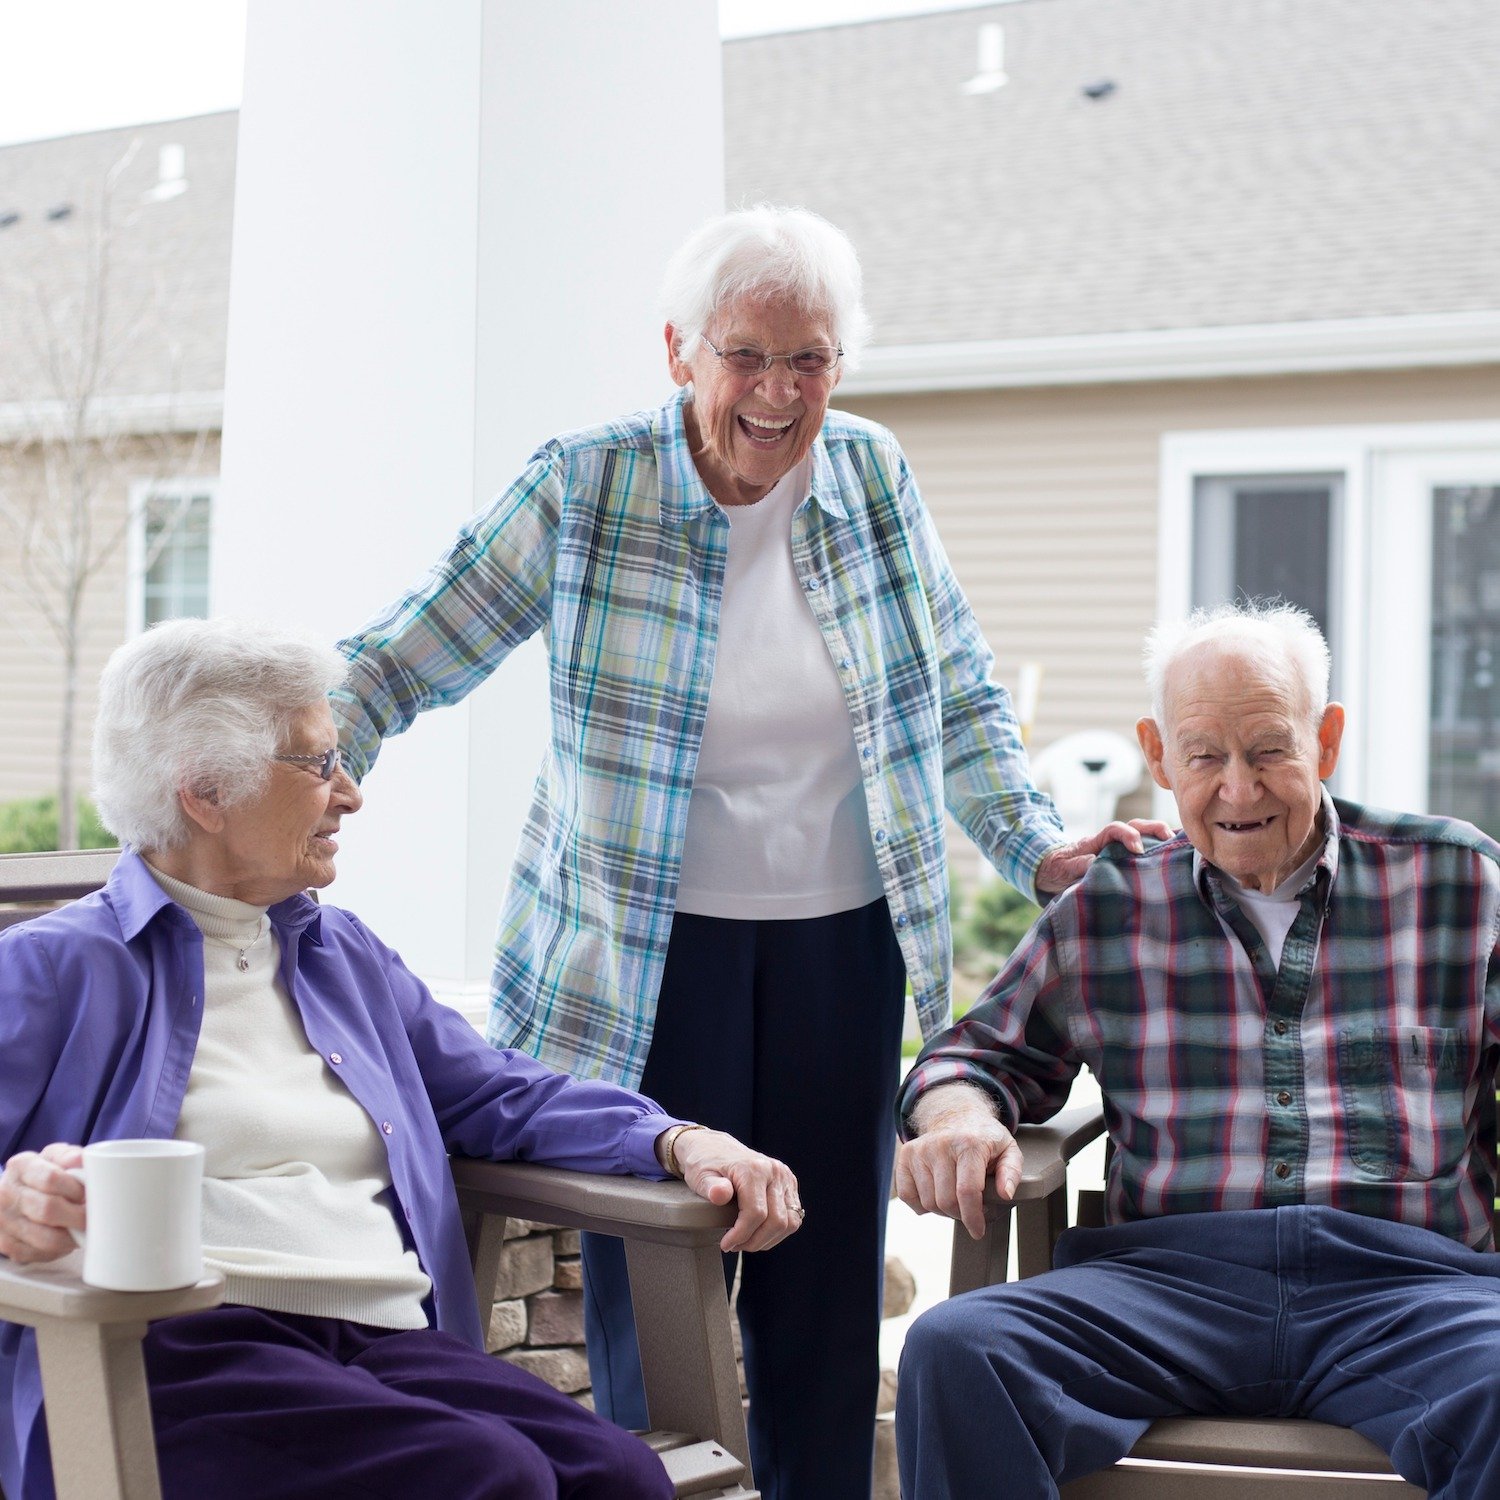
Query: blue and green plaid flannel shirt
column 1359, row 1074
column 610, row 545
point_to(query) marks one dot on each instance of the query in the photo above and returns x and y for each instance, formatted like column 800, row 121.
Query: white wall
column 450, row 222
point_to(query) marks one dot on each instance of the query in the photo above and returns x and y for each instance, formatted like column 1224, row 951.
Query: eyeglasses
column 808, row 363
column 325, row 763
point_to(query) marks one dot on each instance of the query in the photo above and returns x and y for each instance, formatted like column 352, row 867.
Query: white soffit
column 114, row 416
column 1183, row 354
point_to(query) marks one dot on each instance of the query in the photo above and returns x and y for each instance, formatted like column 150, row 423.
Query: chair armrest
column 55, row 1291
column 1049, row 1148
column 1039, row 1206
column 88, row 1344
column 676, row 1279
column 668, row 1213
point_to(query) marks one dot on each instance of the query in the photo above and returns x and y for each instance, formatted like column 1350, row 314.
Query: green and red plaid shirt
column 1356, row 1075
column 610, row 546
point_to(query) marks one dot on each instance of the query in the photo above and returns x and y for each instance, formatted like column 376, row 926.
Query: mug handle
column 77, row 1233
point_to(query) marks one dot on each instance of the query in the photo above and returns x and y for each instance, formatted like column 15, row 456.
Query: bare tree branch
column 59, row 495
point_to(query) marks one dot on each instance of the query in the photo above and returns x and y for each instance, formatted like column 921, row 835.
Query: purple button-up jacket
column 100, row 1006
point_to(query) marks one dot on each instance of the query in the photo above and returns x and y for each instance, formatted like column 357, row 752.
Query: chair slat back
column 29, row 882
column 61, row 875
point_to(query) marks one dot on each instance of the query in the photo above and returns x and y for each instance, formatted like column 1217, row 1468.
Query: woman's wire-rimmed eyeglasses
column 808, row 363
column 325, row 764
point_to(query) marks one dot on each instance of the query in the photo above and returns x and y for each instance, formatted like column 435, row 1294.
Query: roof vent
column 60, row 211
column 991, row 71
column 171, row 174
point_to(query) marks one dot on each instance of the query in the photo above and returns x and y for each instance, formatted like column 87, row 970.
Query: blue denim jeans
column 1301, row 1311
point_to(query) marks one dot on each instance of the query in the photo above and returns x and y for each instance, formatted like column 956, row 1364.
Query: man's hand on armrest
column 959, row 1145
column 717, row 1167
column 39, row 1202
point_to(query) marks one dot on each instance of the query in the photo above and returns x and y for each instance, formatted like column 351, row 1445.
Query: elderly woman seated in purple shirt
column 203, row 995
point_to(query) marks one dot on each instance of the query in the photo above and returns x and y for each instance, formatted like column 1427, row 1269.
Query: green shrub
column 29, row 826
column 996, row 919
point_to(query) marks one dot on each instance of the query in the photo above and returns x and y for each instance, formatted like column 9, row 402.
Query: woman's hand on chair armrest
column 717, row 1167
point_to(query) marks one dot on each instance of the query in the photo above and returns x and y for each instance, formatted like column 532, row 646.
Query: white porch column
column 450, row 225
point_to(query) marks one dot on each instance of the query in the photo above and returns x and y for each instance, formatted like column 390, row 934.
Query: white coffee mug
column 143, row 1207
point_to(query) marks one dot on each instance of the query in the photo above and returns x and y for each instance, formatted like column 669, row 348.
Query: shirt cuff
column 639, row 1154
column 943, row 1070
column 1025, row 850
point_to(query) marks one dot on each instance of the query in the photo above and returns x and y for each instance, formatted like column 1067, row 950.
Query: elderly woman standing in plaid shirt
column 766, row 684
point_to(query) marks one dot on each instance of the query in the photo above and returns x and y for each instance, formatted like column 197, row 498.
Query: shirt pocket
column 1403, row 1093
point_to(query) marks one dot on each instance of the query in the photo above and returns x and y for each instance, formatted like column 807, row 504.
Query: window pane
column 176, row 582
column 1270, row 536
column 1464, row 749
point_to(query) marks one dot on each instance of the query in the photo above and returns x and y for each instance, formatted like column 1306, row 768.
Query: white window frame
column 1370, row 567
column 142, row 491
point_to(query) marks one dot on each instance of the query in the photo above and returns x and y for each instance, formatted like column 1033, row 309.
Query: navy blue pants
column 253, row 1405
column 788, row 1035
column 1307, row 1312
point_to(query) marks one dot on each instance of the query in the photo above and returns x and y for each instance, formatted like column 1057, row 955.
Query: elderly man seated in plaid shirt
column 1293, row 1012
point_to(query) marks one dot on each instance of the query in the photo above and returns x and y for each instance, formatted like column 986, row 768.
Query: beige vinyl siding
column 30, row 654
column 1047, row 502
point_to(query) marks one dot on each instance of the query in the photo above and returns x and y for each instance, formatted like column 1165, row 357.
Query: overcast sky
column 72, row 65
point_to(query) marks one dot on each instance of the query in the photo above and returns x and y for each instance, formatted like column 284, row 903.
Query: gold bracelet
column 669, row 1148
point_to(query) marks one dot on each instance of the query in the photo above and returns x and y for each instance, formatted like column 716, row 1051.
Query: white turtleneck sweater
column 295, row 1172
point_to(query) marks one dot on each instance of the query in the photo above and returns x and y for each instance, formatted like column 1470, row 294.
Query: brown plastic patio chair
column 1178, row 1458
column 89, row 1341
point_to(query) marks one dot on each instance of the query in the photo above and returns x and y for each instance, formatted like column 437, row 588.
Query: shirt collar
column 135, row 895
column 137, row 900
column 825, row 484
column 299, row 913
column 683, row 492
column 1207, row 877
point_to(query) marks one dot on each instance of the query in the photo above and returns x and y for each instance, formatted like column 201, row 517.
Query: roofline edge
column 1182, row 353
column 190, row 411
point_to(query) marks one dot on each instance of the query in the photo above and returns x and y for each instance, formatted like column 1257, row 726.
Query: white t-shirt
column 1273, row 912
column 777, row 826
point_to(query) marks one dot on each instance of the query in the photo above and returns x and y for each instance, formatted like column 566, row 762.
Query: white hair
column 1269, row 629
column 198, row 705
column 767, row 251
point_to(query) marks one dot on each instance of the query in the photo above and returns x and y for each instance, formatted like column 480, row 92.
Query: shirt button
column 386, row 1126
column 901, row 920
column 845, row 663
column 1282, row 1170
column 1280, row 1028
column 880, row 835
column 1283, row 1097
column 813, row 585
column 335, row 1058
column 868, row 752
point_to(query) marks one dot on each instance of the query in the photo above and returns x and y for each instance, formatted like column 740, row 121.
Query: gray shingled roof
column 168, row 284
column 1259, row 161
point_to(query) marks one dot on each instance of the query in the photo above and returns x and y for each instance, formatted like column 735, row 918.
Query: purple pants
column 274, row 1406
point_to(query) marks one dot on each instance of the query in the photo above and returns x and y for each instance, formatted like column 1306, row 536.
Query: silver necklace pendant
column 242, row 963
